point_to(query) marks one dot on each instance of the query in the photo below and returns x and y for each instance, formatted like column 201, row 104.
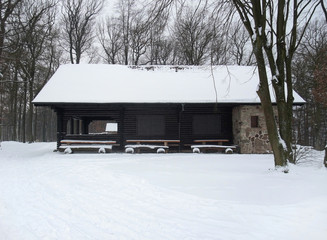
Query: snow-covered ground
column 49, row 195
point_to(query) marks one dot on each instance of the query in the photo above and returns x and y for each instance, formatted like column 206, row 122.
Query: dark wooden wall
column 190, row 110
column 178, row 120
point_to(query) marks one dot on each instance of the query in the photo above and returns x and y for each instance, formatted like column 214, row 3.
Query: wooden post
column 180, row 110
column 59, row 127
column 1, row 136
column 76, row 126
column 64, row 126
column 71, row 130
column 85, row 126
column 82, row 127
column 121, row 128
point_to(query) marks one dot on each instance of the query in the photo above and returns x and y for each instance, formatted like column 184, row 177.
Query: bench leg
column 102, row 150
column 129, row 150
column 196, row 150
column 68, row 151
column 229, row 151
column 161, row 150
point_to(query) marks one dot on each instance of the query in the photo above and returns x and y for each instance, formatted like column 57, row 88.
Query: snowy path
column 46, row 195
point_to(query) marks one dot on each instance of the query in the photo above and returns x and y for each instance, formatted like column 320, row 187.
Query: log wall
column 178, row 121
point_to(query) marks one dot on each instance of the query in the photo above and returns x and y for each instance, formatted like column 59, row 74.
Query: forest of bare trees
column 37, row 36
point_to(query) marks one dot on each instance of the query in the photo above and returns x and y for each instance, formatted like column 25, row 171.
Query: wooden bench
column 217, row 148
column 211, row 141
column 161, row 146
column 207, row 144
column 70, row 145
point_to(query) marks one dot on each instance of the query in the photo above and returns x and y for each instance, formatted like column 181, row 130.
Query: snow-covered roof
column 102, row 83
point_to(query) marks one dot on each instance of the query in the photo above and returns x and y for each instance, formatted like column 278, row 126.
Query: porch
column 130, row 123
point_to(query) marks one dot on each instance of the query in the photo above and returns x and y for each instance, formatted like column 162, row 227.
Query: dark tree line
column 29, row 57
column 37, row 36
column 310, row 76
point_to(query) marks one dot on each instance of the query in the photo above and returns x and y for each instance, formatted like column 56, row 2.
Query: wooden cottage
column 177, row 108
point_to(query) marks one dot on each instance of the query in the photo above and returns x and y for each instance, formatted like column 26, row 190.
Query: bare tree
column 193, row 34
column 31, row 57
column 309, row 81
column 158, row 41
column 323, row 6
column 78, row 18
column 239, row 42
column 275, row 35
column 219, row 48
column 35, row 31
column 109, row 36
column 126, row 9
column 137, row 24
column 139, row 36
column 162, row 52
column 6, row 9
column 325, row 13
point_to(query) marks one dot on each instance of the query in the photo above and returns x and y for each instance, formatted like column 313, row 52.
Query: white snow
column 196, row 150
column 161, row 150
column 100, row 83
column 107, row 146
column 211, row 146
column 254, row 37
column 48, row 195
column 260, row 31
column 229, row 150
column 275, row 79
column 68, row 150
column 145, row 146
column 111, row 127
column 102, row 150
column 129, row 150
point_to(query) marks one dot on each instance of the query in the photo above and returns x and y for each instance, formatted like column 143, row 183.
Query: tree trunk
column 325, row 159
column 275, row 140
column 15, row 112
column 1, row 114
column 306, row 127
column 78, row 55
column 285, row 106
column 126, row 54
column 30, row 137
column 71, row 55
column 324, row 9
column 2, row 34
column 44, row 139
column 35, row 125
column 19, row 122
column 24, row 114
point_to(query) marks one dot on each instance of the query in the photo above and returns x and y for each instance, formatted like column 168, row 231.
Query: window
column 209, row 124
column 254, row 121
column 151, row 125
column 103, row 127
column 112, row 127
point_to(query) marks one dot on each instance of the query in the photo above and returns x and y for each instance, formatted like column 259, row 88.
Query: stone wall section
column 250, row 139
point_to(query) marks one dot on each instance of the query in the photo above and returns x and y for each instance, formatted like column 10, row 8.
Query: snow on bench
column 198, row 148
column 147, row 144
column 73, row 141
column 70, row 145
column 132, row 147
column 218, row 141
column 164, row 142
